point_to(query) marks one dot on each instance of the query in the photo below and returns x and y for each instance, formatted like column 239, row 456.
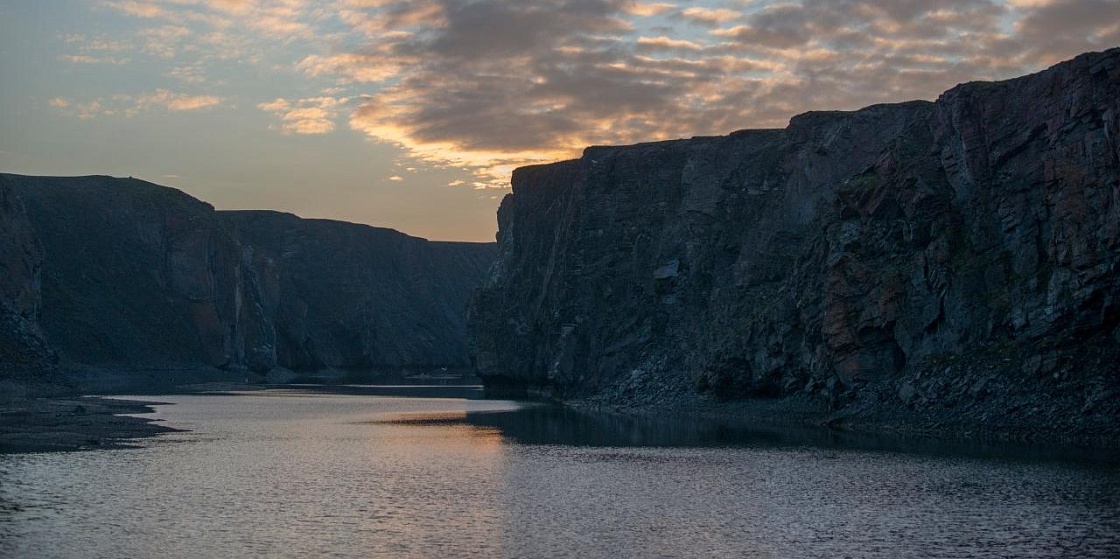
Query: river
column 304, row 473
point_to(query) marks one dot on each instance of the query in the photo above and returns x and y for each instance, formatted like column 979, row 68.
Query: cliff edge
column 939, row 266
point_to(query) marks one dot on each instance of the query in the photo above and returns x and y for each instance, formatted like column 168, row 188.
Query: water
column 305, row 474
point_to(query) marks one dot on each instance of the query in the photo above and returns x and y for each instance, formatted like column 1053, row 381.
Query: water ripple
column 369, row 476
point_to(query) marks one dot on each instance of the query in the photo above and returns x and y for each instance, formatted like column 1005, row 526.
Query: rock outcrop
column 140, row 277
column 957, row 257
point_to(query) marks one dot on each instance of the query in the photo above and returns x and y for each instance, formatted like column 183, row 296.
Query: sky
column 412, row 114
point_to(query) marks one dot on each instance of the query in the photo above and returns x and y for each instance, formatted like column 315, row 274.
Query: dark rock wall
column 140, row 276
column 881, row 247
column 23, row 352
column 137, row 274
column 355, row 297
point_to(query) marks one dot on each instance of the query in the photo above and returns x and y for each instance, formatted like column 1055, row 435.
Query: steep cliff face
column 23, row 352
column 350, row 296
column 918, row 253
column 137, row 276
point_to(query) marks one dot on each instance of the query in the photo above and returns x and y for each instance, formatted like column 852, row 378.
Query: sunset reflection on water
column 310, row 474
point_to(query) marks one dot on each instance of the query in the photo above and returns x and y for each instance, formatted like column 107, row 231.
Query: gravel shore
column 73, row 423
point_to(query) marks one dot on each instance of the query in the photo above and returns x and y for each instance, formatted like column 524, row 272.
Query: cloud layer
column 132, row 105
column 487, row 85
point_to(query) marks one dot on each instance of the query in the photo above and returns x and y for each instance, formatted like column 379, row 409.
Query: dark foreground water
column 304, row 474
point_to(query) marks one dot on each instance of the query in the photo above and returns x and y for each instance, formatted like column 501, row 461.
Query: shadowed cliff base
column 945, row 268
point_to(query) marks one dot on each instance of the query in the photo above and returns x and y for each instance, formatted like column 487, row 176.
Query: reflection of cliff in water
column 556, row 425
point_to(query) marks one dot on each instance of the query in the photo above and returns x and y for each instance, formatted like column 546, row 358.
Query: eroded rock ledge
column 942, row 263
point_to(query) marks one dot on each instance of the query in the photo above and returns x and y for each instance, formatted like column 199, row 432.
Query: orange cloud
column 138, row 8
column 649, row 9
column 132, row 105
column 277, row 18
column 352, row 67
column 667, row 43
column 235, row 6
column 87, row 59
column 315, row 115
column 711, row 16
column 183, row 102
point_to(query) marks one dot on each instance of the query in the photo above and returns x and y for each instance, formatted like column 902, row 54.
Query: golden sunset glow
column 381, row 104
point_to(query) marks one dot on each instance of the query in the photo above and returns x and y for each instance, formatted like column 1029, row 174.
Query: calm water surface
column 306, row 474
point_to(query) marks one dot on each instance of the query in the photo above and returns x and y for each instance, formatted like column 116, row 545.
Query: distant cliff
column 954, row 260
column 355, row 297
column 136, row 276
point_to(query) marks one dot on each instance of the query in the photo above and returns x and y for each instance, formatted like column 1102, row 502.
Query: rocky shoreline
column 78, row 423
column 46, row 424
column 995, row 415
column 993, row 396
column 873, row 419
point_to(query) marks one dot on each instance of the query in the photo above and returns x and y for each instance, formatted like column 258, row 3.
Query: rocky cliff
column 25, row 353
column 350, row 296
column 954, row 260
column 143, row 278
column 136, row 275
